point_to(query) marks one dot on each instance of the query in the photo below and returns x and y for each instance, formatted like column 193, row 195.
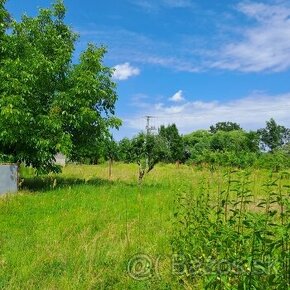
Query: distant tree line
column 224, row 144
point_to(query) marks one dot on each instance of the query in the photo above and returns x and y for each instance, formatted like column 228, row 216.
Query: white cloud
column 145, row 4
column 140, row 49
column 251, row 112
column 178, row 3
column 177, row 97
column 265, row 46
column 155, row 6
column 177, row 64
column 140, row 101
column 262, row 45
column 125, row 71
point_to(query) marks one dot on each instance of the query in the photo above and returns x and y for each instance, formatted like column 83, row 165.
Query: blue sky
column 190, row 62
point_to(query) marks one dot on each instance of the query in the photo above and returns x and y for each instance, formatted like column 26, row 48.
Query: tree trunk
column 141, row 175
column 110, row 167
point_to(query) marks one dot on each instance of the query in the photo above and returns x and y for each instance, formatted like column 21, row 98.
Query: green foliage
column 174, row 143
column 4, row 22
column 225, row 126
column 236, row 147
column 274, row 136
column 225, row 147
column 88, row 228
column 225, row 239
column 240, row 148
column 197, row 144
column 47, row 104
column 276, row 160
column 147, row 150
column 124, row 147
column 199, row 136
column 111, row 149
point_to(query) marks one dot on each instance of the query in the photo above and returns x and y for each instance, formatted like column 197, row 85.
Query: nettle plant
column 229, row 238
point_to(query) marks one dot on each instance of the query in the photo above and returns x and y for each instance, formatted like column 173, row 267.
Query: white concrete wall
column 8, row 178
column 60, row 159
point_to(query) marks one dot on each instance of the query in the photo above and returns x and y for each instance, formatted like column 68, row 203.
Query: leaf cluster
column 47, row 103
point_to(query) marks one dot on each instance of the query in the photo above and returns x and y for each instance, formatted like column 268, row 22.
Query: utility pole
column 149, row 128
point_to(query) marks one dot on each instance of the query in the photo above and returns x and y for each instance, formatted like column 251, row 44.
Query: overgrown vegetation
column 228, row 237
column 214, row 214
column 224, row 144
column 79, row 229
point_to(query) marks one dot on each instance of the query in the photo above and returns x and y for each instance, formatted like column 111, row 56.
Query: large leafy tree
column 47, row 103
column 234, row 141
column 4, row 20
column 197, row 143
column 274, row 136
column 174, row 143
column 224, row 147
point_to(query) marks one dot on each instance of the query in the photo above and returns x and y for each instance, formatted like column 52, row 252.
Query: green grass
column 81, row 233
column 78, row 230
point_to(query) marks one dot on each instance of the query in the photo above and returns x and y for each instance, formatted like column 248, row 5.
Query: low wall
column 8, row 178
column 60, row 159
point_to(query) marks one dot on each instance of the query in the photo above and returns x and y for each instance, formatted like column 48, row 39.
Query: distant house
column 60, row 159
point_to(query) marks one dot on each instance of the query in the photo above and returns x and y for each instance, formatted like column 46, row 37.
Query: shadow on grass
column 44, row 183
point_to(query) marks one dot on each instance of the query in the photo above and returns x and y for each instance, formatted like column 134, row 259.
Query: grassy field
column 80, row 230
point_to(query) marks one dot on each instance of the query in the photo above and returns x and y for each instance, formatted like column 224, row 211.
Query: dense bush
column 277, row 160
column 227, row 240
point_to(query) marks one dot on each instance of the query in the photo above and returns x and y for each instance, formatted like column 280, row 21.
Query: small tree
column 274, row 136
column 174, row 143
column 110, row 152
column 147, row 151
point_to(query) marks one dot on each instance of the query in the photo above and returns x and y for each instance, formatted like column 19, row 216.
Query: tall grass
column 227, row 238
column 80, row 229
